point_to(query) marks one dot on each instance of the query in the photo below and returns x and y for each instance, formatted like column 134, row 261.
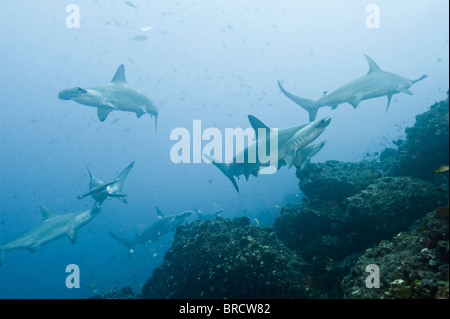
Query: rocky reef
column 223, row 258
column 391, row 211
column 351, row 207
column 414, row 264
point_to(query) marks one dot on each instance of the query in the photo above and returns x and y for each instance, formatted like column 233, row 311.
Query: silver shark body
column 163, row 226
column 101, row 191
column 53, row 227
column 290, row 141
column 116, row 95
column 375, row 83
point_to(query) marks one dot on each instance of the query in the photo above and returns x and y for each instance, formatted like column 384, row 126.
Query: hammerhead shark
column 53, row 227
column 117, row 95
column 375, row 83
column 164, row 225
column 290, row 141
column 101, row 191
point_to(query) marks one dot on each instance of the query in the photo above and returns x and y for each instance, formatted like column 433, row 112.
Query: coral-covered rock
column 125, row 293
column 413, row 265
column 387, row 207
column 335, row 181
column 426, row 147
column 223, row 258
column 297, row 225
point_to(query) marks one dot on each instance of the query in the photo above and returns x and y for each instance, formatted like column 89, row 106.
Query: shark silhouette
column 164, row 225
column 117, row 95
column 290, row 141
column 374, row 84
column 53, row 227
column 101, row 191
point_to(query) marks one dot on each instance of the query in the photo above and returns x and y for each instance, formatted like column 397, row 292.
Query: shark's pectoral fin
column 289, row 159
column 298, row 159
column 32, row 248
column 117, row 195
column 139, row 113
column 123, row 200
column 354, row 103
column 72, row 233
column 334, row 106
column 103, row 113
column 406, row 91
column 389, row 102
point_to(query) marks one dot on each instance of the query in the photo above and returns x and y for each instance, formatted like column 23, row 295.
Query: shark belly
column 35, row 237
column 367, row 87
column 125, row 98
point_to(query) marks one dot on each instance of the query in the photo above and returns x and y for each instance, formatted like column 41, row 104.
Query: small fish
column 256, row 222
column 140, row 38
column 442, row 169
column 130, row 4
column 145, row 29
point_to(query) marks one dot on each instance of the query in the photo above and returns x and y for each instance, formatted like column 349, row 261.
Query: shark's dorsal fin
column 373, row 67
column 119, row 77
column 46, row 212
column 159, row 213
column 257, row 124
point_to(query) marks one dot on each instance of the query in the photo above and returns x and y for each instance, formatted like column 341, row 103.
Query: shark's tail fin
column 307, row 104
column 224, row 168
column 129, row 243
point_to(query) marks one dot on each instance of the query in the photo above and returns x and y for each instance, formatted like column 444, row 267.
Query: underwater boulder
column 386, row 207
column 224, row 258
column 335, row 181
column 296, row 225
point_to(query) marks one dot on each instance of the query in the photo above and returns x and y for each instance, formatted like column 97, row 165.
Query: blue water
column 214, row 61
